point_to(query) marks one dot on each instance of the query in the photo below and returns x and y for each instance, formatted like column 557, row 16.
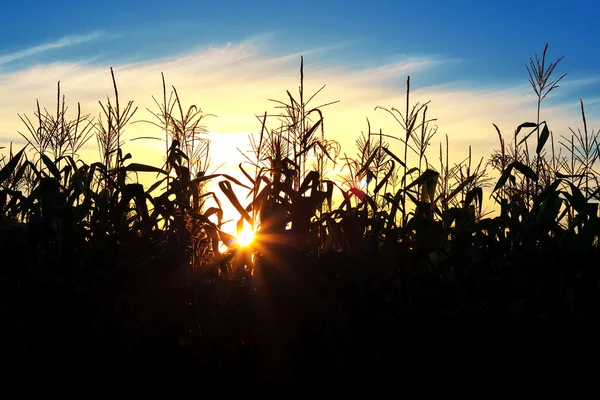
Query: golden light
column 245, row 237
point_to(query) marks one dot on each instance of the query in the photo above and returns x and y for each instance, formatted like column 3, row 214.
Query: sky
column 467, row 58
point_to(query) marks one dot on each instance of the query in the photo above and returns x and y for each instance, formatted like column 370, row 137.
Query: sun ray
column 245, row 237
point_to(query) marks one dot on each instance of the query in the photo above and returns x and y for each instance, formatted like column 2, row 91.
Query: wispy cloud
column 235, row 82
column 58, row 44
column 582, row 81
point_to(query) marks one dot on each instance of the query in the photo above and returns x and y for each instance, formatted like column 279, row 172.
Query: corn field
column 98, row 269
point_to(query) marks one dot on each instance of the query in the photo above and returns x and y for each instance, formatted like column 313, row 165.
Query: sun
column 245, row 237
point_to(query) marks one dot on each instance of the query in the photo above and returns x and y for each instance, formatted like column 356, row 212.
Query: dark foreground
column 336, row 320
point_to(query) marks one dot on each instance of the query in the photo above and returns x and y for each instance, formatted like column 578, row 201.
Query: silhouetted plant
column 91, row 252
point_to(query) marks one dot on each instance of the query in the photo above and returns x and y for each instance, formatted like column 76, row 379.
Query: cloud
column 236, row 81
column 581, row 81
column 64, row 42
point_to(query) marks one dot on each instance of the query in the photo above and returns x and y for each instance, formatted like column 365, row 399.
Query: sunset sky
column 229, row 58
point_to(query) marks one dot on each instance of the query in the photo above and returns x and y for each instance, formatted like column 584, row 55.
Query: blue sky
column 470, row 45
column 467, row 57
column 496, row 37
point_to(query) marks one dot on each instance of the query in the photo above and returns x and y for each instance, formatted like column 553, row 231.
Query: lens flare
column 245, row 237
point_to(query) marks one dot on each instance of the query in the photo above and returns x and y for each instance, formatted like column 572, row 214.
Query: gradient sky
column 467, row 57
column 484, row 33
